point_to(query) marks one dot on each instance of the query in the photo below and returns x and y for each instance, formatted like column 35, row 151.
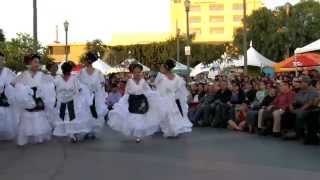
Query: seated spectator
column 313, row 121
column 201, row 91
column 236, row 108
column 250, row 93
column 221, row 107
column 279, row 106
column 193, row 99
column 260, row 95
column 113, row 96
column 204, row 112
column 254, row 116
column 301, row 107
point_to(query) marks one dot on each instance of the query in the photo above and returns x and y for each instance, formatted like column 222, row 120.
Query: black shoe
column 290, row 136
column 93, row 137
column 311, row 141
column 74, row 140
column 263, row 132
column 276, row 135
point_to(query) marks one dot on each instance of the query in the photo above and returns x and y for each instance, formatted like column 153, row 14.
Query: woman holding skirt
column 72, row 117
column 174, row 107
column 94, row 81
column 32, row 88
column 136, row 114
column 8, row 120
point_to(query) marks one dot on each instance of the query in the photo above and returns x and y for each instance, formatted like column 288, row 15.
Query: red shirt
column 284, row 100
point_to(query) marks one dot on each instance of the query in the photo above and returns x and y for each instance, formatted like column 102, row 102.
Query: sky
column 90, row 19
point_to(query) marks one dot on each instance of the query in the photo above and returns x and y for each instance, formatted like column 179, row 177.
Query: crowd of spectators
column 287, row 106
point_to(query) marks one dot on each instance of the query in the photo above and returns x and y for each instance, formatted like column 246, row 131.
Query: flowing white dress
column 33, row 127
column 68, row 91
column 173, row 122
column 8, row 121
column 136, row 125
column 95, row 84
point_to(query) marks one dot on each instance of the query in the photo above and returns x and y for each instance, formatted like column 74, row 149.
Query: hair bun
column 170, row 64
column 91, row 57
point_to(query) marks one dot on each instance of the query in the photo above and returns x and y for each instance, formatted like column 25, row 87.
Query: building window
column 217, row 30
column 237, row 7
column 237, row 18
column 196, row 31
column 216, row 7
column 195, row 19
column 195, row 9
column 216, row 19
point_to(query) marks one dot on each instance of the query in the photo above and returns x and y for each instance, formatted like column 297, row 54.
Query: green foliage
column 273, row 32
column 2, row 37
column 96, row 46
column 157, row 52
column 18, row 47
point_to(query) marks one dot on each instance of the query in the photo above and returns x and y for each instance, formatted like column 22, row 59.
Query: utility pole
column 35, row 26
column 245, row 36
column 178, row 42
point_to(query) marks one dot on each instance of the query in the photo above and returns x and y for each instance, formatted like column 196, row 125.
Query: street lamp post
column 245, row 57
column 35, row 25
column 178, row 44
column 66, row 28
column 187, row 4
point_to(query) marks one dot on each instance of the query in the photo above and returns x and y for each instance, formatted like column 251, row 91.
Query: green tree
column 18, row 47
column 96, row 46
column 149, row 54
column 273, row 32
column 2, row 37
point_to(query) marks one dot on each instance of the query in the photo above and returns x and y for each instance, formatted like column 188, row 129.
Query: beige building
column 211, row 20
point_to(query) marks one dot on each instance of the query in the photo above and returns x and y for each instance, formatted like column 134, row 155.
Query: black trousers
column 312, row 123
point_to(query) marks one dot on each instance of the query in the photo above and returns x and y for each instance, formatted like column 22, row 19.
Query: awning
column 300, row 61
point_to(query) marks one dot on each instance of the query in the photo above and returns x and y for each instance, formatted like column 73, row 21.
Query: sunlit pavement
column 203, row 154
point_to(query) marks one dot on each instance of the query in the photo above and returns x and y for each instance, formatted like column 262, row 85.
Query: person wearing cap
column 93, row 80
column 7, row 120
column 300, row 107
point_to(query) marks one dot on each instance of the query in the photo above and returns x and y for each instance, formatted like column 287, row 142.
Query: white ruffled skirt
column 79, row 125
column 33, row 127
column 135, row 125
column 173, row 123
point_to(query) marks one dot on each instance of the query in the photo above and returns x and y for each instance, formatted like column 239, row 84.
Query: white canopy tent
column 180, row 66
column 203, row 68
column 254, row 59
column 126, row 63
column 315, row 46
column 101, row 66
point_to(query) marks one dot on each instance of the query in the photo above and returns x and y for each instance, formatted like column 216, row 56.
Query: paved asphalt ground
column 204, row 154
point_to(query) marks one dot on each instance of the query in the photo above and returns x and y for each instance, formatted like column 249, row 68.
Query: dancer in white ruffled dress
column 174, row 107
column 136, row 114
column 93, row 79
column 8, row 121
column 72, row 111
column 33, row 95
